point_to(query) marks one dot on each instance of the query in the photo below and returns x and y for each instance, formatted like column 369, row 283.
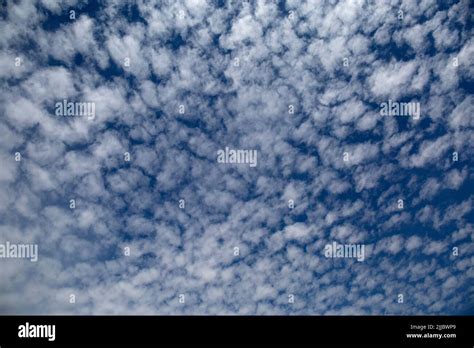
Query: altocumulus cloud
column 130, row 209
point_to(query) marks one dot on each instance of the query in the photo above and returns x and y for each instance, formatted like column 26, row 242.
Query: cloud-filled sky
column 302, row 83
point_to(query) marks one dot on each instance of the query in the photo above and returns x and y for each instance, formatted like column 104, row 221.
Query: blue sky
column 206, row 75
